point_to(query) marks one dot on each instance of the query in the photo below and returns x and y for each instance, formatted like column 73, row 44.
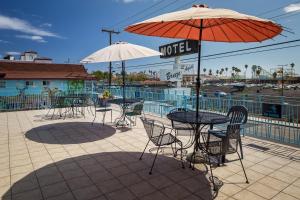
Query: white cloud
column 46, row 25
column 13, row 53
column 4, row 41
column 16, row 24
column 128, row 1
column 36, row 38
column 292, row 8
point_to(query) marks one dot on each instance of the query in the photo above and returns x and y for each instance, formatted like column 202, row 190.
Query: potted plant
column 106, row 95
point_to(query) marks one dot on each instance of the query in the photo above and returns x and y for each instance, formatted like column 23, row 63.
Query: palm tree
column 258, row 71
column 292, row 66
column 246, row 67
column 217, row 72
column 204, row 70
column 210, row 72
column 274, row 75
column 254, row 68
column 226, row 69
column 222, row 70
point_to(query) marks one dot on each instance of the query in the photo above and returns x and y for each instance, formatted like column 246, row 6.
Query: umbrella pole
column 199, row 69
column 123, row 76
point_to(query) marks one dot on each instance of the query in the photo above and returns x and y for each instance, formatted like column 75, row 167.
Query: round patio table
column 197, row 124
column 122, row 119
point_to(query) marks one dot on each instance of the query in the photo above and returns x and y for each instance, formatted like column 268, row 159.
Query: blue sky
column 70, row 29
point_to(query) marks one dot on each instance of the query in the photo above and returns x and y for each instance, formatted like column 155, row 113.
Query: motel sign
column 179, row 48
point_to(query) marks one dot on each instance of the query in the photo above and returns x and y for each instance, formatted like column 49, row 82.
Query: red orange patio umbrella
column 202, row 23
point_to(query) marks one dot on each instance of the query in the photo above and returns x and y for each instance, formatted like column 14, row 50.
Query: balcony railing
column 285, row 129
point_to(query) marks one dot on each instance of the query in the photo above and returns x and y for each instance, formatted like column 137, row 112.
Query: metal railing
column 159, row 102
column 284, row 130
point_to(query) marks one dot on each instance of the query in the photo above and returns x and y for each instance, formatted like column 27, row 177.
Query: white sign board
column 170, row 75
column 176, row 75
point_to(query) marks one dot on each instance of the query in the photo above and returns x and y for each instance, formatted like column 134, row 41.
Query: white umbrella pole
column 123, row 76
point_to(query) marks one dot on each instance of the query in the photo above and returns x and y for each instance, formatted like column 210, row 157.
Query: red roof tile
column 29, row 70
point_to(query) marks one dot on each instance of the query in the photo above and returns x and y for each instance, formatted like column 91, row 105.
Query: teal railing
column 160, row 102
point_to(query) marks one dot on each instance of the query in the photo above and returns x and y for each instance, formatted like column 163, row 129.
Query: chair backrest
column 179, row 125
column 238, row 116
column 153, row 129
column 138, row 108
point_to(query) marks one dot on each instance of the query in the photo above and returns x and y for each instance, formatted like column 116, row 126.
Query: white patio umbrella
column 120, row 51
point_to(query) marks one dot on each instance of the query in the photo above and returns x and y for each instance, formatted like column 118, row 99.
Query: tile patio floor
column 70, row 159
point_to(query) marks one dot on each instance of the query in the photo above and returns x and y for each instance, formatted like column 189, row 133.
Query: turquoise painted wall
column 14, row 87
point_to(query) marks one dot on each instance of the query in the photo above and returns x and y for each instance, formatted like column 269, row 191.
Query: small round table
column 121, row 120
column 197, row 124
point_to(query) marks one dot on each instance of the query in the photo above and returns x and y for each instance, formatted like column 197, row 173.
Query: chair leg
column 103, row 118
column 243, row 167
column 241, row 149
column 181, row 156
column 110, row 116
column 154, row 160
column 144, row 150
column 212, row 175
column 94, row 118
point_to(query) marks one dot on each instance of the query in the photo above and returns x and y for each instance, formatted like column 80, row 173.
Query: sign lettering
column 179, row 48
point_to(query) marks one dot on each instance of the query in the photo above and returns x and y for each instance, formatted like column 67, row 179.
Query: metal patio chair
column 156, row 133
column 134, row 110
column 218, row 143
column 182, row 129
column 101, row 107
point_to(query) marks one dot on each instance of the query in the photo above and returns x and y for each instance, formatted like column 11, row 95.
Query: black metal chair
column 134, row 110
column 101, row 107
column 182, row 129
column 156, row 132
column 218, row 143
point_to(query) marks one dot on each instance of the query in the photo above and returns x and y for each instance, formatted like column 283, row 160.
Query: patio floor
column 71, row 159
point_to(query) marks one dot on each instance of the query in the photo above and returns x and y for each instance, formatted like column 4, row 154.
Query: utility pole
column 110, row 32
column 282, row 76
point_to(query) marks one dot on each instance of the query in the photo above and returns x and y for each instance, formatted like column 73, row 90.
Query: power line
column 218, row 54
column 155, row 11
column 278, row 8
column 253, row 52
column 138, row 13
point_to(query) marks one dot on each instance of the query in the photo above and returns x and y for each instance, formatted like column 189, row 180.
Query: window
column 2, row 84
column 29, row 83
column 46, row 83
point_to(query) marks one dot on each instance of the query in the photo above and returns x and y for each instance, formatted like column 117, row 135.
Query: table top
column 203, row 118
column 120, row 101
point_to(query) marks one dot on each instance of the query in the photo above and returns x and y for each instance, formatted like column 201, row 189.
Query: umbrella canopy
column 220, row 25
column 120, row 51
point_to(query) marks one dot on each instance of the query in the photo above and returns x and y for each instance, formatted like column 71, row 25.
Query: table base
column 199, row 157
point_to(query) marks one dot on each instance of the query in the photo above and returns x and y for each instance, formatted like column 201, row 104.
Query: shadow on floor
column 70, row 133
column 113, row 175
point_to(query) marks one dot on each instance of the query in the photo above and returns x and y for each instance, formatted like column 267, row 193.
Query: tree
column 210, row 72
column 204, row 70
column 274, row 75
column 237, row 71
column 226, row 69
column 221, row 71
column 217, row 72
column 258, row 71
column 292, row 66
column 254, row 68
column 246, row 67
